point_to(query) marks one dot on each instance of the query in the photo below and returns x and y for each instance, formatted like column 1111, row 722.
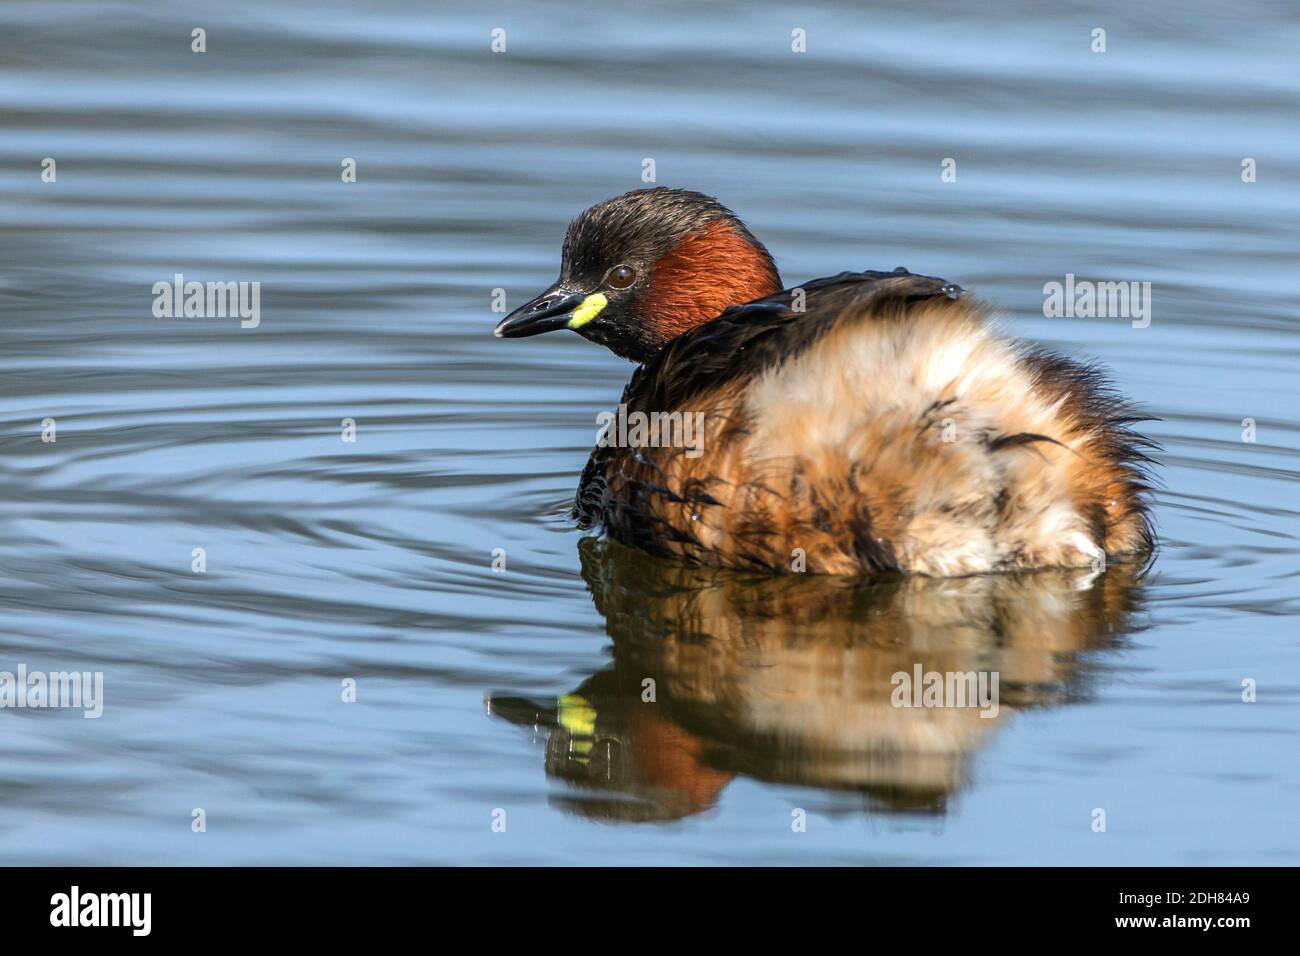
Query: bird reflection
column 792, row 680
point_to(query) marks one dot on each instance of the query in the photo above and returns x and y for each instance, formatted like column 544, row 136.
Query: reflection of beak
column 573, row 712
column 517, row 710
column 551, row 310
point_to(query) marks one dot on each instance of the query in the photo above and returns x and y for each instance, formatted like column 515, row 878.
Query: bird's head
column 642, row 268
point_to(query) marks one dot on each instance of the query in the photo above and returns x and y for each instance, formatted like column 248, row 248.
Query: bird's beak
column 556, row 308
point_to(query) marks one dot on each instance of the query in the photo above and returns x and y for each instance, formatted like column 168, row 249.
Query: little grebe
column 862, row 423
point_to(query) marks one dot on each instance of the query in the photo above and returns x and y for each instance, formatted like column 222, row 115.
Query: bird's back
column 869, row 422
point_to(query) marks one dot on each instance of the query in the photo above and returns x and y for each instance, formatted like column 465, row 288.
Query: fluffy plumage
column 886, row 428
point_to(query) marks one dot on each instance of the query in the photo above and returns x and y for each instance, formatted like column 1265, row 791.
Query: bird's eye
column 620, row 277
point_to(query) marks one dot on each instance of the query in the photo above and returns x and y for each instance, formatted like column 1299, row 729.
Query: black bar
column 206, row 904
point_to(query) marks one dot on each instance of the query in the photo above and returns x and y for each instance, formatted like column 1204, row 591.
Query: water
column 371, row 560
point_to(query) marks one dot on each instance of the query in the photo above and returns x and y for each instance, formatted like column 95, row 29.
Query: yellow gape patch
column 589, row 309
column 576, row 715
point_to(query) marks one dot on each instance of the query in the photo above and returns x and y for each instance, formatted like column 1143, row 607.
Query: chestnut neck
column 705, row 274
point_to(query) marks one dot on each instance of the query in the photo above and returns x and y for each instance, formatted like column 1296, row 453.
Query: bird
column 864, row 423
